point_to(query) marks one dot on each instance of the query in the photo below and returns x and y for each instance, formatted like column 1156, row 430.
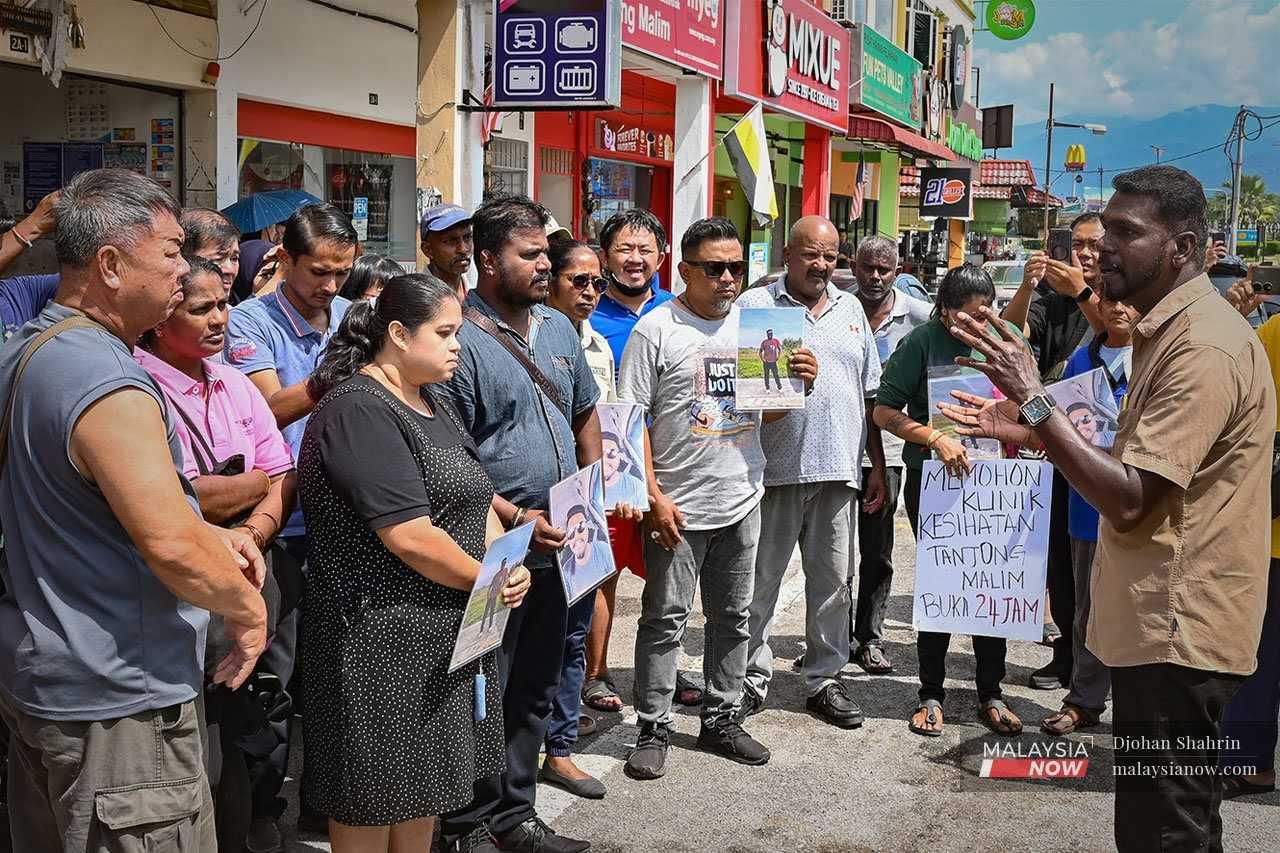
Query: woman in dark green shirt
column 905, row 384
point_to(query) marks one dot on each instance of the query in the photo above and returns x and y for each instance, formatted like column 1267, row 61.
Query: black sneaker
column 833, row 705
column 730, row 740
column 1048, row 677
column 478, row 840
column 649, row 759
column 752, row 704
column 534, row 836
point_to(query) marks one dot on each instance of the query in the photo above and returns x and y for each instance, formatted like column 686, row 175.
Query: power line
column 165, row 30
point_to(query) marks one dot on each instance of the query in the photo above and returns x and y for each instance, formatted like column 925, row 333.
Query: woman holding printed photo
column 904, row 384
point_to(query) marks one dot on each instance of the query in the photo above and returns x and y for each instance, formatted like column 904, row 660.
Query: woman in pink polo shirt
column 242, row 472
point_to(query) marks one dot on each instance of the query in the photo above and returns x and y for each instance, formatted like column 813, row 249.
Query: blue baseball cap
column 442, row 217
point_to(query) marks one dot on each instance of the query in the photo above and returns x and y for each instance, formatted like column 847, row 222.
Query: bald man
column 813, row 474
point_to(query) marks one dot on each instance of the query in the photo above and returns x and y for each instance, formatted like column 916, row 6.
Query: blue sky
column 1136, row 58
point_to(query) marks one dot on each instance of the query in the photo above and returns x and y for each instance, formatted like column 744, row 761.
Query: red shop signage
column 790, row 55
column 687, row 33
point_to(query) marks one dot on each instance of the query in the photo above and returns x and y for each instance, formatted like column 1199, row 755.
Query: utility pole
column 1101, row 188
column 1237, row 164
column 1159, row 150
column 1048, row 158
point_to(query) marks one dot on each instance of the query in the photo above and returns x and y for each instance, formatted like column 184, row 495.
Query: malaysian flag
column 859, row 189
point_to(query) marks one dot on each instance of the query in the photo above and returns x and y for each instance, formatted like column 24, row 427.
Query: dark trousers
column 529, row 665
column 1250, row 719
column 1166, row 720
column 931, row 646
column 1061, row 578
column 268, row 763
column 562, row 728
column 771, row 369
column 875, row 563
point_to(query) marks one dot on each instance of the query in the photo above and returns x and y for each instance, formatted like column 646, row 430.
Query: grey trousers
column 820, row 517
column 1090, row 677
column 722, row 561
column 135, row 783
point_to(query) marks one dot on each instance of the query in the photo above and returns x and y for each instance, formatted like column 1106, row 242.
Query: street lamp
column 1095, row 129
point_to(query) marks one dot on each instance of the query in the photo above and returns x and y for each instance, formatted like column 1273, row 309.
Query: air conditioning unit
column 844, row 12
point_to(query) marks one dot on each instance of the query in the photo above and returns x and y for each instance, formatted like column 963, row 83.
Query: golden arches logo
column 1075, row 158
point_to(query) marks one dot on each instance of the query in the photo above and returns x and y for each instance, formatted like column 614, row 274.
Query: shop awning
column 876, row 130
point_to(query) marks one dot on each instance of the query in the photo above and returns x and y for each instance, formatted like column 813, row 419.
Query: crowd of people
column 247, row 487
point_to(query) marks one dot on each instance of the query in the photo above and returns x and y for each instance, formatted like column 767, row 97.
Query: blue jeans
column 562, row 728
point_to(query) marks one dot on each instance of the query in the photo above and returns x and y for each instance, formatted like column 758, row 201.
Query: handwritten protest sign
column 982, row 548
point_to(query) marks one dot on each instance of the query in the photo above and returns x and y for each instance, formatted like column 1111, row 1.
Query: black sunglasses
column 715, row 269
column 583, row 280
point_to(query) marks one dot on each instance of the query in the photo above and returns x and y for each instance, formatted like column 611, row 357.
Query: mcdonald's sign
column 1075, row 158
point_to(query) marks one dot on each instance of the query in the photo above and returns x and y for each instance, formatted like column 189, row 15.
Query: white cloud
column 1216, row 52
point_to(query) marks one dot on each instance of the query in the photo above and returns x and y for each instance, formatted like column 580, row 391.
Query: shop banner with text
column 888, row 78
column 790, row 55
column 687, row 33
column 982, row 549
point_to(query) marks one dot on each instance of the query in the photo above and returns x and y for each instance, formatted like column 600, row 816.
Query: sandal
column 687, row 693
column 1004, row 723
column 599, row 694
column 586, row 725
column 1070, row 719
column 1051, row 635
column 872, row 659
column 1237, row 786
column 932, row 723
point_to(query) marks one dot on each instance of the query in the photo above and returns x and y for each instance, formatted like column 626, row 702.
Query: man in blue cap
column 446, row 241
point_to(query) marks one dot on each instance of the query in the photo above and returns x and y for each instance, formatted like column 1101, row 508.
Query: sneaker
column 832, row 704
column 649, row 759
column 1048, row 677
column 752, row 704
column 478, row 840
column 264, row 837
column 534, row 836
column 731, row 741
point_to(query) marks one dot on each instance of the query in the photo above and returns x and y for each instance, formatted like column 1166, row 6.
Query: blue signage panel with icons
column 557, row 54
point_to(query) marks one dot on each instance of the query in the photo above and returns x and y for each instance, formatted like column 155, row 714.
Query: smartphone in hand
column 1059, row 248
column 1266, row 279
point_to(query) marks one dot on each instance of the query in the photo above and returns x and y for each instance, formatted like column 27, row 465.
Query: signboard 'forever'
column 557, row 59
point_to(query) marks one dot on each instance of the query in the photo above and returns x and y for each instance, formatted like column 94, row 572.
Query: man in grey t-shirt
column 892, row 315
column 109, row 570
column 706, row 477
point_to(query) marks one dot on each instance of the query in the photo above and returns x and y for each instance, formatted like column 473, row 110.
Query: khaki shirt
column 600, row 360
column 1188, row 585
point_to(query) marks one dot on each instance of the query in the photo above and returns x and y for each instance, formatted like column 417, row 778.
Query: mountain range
column 1127, row 144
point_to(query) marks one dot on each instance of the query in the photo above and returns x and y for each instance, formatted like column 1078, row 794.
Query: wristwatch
column 1085, row 295
column 1037, row 410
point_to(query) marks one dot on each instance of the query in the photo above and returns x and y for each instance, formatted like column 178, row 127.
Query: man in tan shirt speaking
column 1179, row 582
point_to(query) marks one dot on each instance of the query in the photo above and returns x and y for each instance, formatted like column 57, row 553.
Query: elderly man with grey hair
column 892, row 315
column 109, row 570
column 813, row 475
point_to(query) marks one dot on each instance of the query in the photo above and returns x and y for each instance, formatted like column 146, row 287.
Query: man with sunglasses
column 813, row 473
column 705, row 477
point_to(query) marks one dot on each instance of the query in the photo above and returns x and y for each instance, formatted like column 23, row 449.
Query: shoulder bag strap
column 539, row 379
column 197, row 438
column 77, row 322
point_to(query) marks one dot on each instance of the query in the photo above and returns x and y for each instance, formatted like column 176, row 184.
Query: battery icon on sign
column 577, row 77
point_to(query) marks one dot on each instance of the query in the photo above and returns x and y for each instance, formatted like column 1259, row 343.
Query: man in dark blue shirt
column 22, row 298
column 527, row 441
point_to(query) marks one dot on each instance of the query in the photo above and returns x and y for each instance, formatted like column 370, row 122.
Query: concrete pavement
column 878, row 788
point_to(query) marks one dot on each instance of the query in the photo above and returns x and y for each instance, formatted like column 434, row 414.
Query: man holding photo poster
column 1183, row 496
column 813, row 472
column 705, row 469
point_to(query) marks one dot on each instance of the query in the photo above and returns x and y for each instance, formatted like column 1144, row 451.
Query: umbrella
column 262, row 209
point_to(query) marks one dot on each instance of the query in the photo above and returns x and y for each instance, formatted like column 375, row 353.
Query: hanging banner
column 946, row 193
column 790, row 55
column 687, row 33
column 982, row 549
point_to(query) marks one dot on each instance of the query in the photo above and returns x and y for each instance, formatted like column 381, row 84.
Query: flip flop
column 933, row 718
column 1075, row 718
column 599, row 694
column 1007, row 725
column 1236, row 786
column 873, row 660
column 586, row 725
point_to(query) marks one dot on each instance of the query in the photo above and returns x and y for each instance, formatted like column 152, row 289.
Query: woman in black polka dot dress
column 398, row 518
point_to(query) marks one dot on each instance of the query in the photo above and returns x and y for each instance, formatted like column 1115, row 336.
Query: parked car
column 911, row 286
column 1005, row 273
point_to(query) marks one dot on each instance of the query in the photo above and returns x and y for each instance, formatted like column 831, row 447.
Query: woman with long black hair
column 904, row 384
column 398, row 519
